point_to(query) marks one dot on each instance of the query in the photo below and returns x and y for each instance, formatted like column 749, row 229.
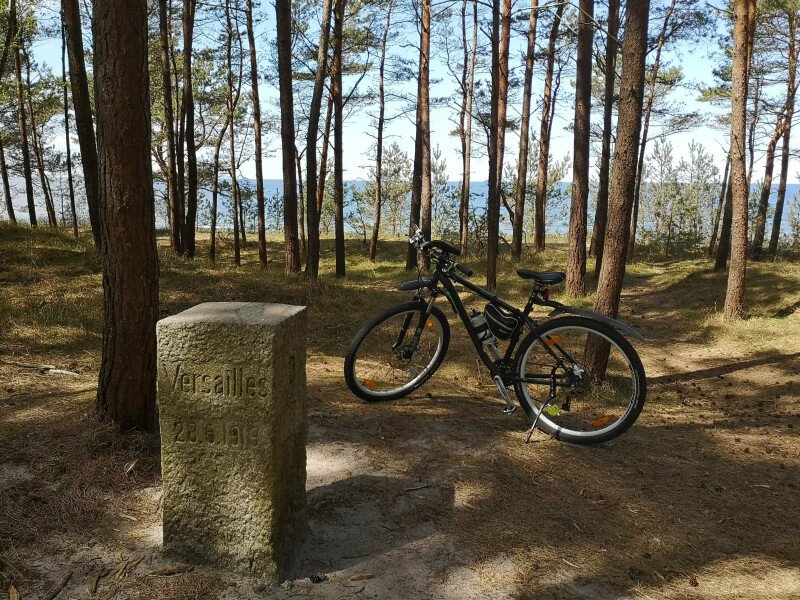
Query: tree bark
column 576, row 271
column 262, row 233
column 301, row 201
column 544, row 134
column 522, row 168
column 336, row 92
column 3, row 167
column 651, row 95
column 84, row 125
column 419, row 189
column 176, row 225
column 189, row 9
column 237, row 253
column 501, row 35
column 126, row 390
column 323, row 158
column 376, row 226
column 65, row 99
column 312, row 212
column 424, row 126
column 744, row 11
column 212, row 250
column 6, row 185
column 466, row 123
column 601, row 210
column 760, row 224
column 791, row 85
column 38, row 152
column 722, row 195
column 724, row 246
column 23, row 119
column 623, row 176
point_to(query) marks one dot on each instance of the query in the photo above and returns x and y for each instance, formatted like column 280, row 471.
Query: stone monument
column 232, row 409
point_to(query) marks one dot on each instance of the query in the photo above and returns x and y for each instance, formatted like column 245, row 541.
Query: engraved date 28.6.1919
column 214, row 433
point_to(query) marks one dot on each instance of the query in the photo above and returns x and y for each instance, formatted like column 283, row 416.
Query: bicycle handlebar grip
column 465, row 270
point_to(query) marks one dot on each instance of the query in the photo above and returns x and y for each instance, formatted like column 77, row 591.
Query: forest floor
column 433, row 496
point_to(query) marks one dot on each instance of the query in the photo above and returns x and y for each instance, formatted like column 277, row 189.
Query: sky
column 696, row 61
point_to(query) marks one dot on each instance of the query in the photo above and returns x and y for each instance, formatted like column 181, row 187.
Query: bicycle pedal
column 510, row 406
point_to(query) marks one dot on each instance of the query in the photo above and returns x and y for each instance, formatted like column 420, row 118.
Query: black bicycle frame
column 445, row 277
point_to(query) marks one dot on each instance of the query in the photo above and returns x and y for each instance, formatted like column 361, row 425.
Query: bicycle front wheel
column 396, row 352
column 588, row 375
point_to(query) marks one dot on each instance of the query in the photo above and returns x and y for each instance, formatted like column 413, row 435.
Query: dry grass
column 701, row 491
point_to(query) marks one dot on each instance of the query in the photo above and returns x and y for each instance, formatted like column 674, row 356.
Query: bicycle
column 595, row 381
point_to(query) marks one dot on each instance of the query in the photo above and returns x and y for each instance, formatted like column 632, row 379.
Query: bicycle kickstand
column 550, row 397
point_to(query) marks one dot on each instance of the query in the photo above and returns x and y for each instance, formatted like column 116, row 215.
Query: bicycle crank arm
column 510, row 406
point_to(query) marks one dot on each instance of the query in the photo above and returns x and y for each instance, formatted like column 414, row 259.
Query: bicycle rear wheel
column 597, row 378
column 387, row 360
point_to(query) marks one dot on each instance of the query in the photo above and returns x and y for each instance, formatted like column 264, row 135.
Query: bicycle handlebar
column 418, row 240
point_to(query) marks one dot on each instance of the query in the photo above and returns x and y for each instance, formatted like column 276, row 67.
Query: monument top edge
column 246, row 313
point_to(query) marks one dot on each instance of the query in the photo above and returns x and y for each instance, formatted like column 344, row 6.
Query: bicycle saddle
column 543, row 277
column 443, row 246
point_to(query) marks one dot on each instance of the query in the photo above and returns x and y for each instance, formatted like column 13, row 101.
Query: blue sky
column 697, row 62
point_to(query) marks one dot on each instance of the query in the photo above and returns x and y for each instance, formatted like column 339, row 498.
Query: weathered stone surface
column 232, row 406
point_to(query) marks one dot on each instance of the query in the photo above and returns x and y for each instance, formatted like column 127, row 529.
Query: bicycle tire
column 638, row 380
column 351, row 356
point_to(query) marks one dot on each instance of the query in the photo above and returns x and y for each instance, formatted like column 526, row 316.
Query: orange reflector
column 369, row 383
column 429, row 323
column 602, row 421
column 556, row 339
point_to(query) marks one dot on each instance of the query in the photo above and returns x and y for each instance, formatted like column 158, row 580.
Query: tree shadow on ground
column 383, row 513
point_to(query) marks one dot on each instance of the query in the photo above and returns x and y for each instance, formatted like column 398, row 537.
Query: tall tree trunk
column 744, row 11
column 262, row 233
column 468, row 78
column 180, row 153
column 501, row 35
column 283, row 15
column 323, row 159
column 623, row 176
column 601, row 209
column 544, row 134
column 376, row 226
column 242, row 216
column 775, row 234
column 189, row 9
column 312, row 212
column 84, row 125
column 336, row 92
column 65, row 99
column 237, row 252
column 723, row 192
column 576, row 272
column 522, row 168
column 651, row 95
column 212, row 250
column 6, row 186
column 752, row 126
column 3, row 167
column 791, row 87
column 126, row 391
column 760, row 224
column 176, row 225
column 418, row 188
column 298, row 163
column 424, row 126
column 38, row 151
column 724, row 246
column 23, row 119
